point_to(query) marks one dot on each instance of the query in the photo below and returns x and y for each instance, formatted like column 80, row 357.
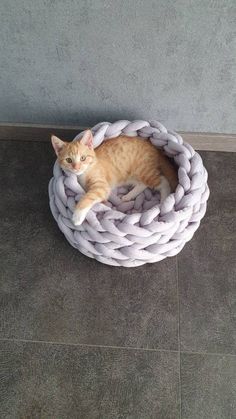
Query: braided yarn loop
column 139, row 231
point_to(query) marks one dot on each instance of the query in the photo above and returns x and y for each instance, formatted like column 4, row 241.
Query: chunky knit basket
column 140, row 231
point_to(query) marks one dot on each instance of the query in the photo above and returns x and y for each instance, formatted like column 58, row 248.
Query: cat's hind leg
column 134, row 192
column 159, row 183
column 164, row 188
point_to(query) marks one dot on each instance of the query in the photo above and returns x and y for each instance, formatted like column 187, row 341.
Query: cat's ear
column 87, row 139
column 57, row 144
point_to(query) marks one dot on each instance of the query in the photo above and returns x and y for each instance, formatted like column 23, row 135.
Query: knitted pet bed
column 140, row 231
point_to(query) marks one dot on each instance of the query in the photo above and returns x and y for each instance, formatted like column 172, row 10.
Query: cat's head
column 76, row 156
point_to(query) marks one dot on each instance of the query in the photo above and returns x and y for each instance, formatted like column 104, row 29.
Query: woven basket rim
column 116, row 238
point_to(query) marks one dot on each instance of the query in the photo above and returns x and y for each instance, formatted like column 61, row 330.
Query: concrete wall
column 82, row 61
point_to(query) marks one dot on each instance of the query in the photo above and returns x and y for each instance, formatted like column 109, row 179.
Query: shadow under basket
column 141, row 231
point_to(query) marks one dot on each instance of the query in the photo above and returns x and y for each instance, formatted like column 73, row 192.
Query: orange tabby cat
column 121, row 160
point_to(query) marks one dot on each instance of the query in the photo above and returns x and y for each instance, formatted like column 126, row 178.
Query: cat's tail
column 169, row 172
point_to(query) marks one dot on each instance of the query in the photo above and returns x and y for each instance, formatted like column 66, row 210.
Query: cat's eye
column 82, row 158
column 69, row 160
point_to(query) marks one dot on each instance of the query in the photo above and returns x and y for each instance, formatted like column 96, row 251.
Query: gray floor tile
column 220, row 219
column 49, row 291
column 221, row 169
column 208, row 385
column 207, row 272
column 60, row 381
column 207, row 268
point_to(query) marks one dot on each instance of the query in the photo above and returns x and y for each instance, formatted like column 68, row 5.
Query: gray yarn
column 140, row 231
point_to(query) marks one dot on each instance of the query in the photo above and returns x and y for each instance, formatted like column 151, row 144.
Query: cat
column 117, row 161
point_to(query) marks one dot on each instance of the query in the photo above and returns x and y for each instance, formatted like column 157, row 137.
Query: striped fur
column 121, row 160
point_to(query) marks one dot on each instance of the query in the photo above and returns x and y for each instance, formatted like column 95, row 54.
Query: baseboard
column 38, row 132
column 211, row 141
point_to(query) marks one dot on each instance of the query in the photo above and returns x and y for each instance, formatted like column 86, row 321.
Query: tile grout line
column 90, row 345
column 207, row 353
column 179, row 352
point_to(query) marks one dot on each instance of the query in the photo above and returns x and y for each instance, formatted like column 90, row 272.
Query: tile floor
column 79, row 339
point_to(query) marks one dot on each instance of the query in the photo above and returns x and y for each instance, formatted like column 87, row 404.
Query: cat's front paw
column 79, row 216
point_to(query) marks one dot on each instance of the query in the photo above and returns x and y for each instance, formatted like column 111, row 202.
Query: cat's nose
column 76, row 166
